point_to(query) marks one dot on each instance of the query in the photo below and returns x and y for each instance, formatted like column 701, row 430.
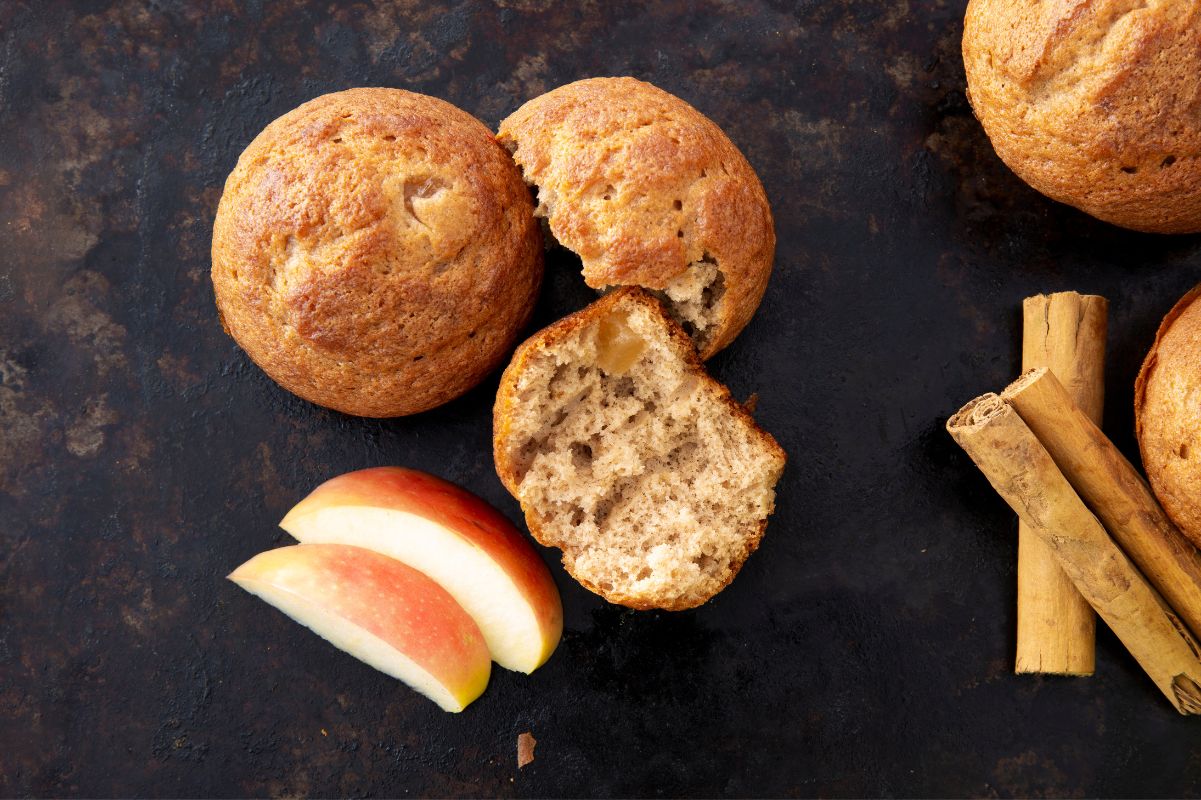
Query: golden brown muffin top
column 1167, row 413
column 519, row 410
column 642, row 186
column 1095, row 103
column 375, row 251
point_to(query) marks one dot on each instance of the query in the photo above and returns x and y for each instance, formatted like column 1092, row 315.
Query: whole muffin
column 1167, row 414
column 1094, row 104
column 649, row 192
column 375, row 251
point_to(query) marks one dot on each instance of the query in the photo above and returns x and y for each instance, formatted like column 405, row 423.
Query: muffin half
column 1167, row 414
column 649, row 192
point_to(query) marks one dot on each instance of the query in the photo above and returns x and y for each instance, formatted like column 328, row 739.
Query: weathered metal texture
column 866, row 648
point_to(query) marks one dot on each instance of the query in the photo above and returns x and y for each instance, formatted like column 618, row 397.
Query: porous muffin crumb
column 649, row 192
column 375, row 251
column 625, row 454
column 1094, row 104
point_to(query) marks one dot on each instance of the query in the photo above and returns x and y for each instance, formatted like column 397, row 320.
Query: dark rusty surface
column 866, row 648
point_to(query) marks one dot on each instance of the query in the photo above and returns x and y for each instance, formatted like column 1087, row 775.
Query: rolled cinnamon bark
column 1113, row 489
column 1024, row 474
column 1056, row 630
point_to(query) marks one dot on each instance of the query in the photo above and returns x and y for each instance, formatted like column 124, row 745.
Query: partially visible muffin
column 1094, row 104
column 1167, row 414
column 375, row 251
column 649, row 192
column 625, row 454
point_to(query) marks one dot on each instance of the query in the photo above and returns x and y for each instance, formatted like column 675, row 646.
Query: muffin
column 626, row 455
column 1094, row 104
column 375, row 252
column 649, row 192
column 1167, row 415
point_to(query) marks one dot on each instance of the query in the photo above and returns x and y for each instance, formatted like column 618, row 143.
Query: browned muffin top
column 1095, row 103
column 649, row 192
column 375, row 251
column 1167, row 412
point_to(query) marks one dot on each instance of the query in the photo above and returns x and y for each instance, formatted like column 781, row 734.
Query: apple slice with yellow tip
column 378, row 610
column 454, row 537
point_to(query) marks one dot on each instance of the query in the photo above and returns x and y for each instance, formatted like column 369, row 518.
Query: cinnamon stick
column 1056, row 630
column 1113, row 489
column 1024, row 474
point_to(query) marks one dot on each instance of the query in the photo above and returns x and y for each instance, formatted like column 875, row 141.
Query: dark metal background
column 865, row 649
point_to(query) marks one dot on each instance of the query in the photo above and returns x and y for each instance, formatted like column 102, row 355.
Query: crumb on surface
column 525, row 748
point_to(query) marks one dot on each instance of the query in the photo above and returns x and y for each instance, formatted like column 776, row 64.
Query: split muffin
column 647, row 191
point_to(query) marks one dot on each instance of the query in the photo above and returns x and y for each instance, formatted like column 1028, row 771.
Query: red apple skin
column 442, row 502
column 388, row 599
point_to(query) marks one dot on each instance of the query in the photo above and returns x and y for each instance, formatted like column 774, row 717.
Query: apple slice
column 379, row 610
column 452, row 536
